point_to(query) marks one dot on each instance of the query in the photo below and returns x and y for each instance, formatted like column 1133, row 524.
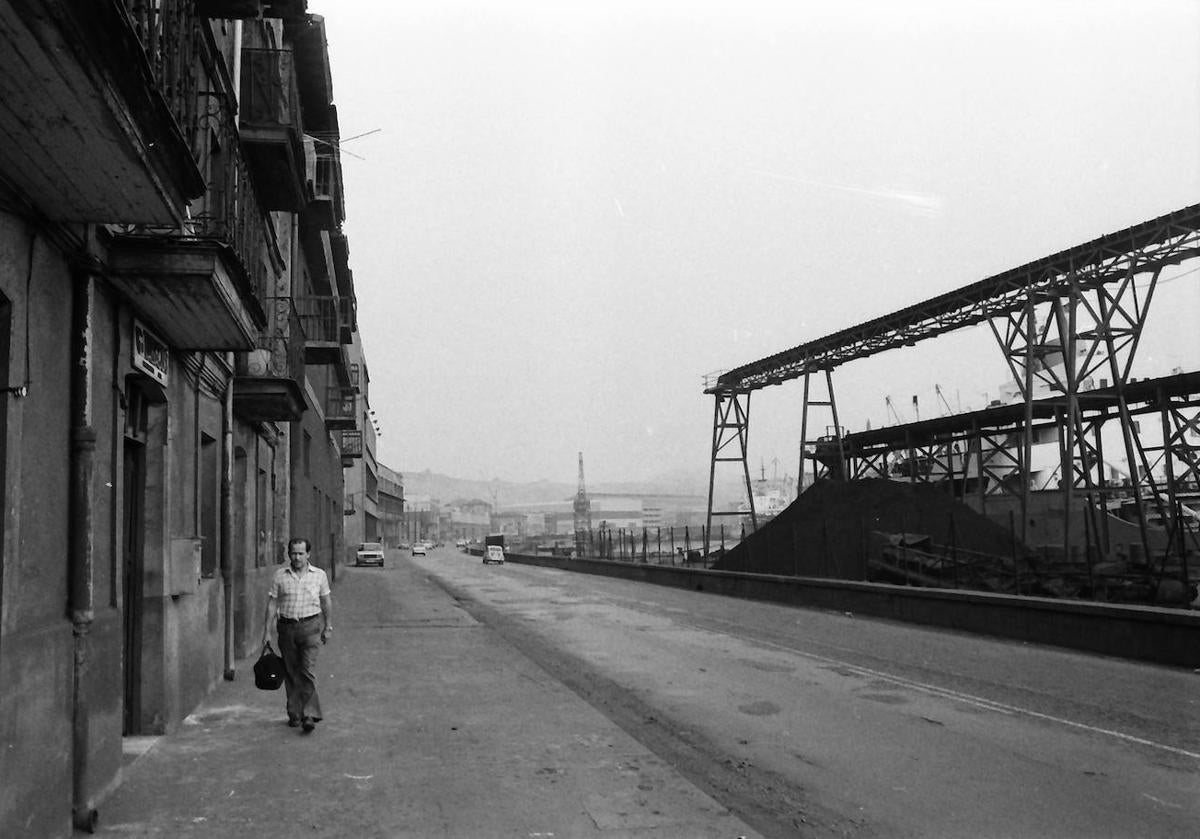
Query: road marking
column 1160, row 801
column 979, row 701
column 934, row 690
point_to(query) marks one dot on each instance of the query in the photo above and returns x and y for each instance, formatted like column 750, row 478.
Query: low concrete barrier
column 1142, row 633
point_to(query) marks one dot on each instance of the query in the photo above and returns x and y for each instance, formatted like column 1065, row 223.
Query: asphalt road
column 815, row 723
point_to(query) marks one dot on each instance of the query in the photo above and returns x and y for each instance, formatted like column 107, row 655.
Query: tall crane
column 583, row 513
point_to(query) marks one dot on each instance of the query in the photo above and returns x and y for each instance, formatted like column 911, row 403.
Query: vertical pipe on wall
column 237, row 62
column 81, row 550
column 226, row 523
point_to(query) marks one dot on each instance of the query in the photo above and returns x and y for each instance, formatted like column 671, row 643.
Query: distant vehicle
column 461, row 543
column 418, row 549
column 493, row 549
column 403, row 546
column 369, row 553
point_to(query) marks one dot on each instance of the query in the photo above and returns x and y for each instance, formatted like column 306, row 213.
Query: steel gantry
column 1061, row 322
column 731, row 425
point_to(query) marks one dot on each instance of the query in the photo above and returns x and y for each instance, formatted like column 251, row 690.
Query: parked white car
column 369, row 553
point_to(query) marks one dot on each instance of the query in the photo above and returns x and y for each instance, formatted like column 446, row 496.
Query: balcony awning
column 191, row 290
column 85, row 135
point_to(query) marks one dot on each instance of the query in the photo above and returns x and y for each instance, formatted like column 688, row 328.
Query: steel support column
column 731, row 423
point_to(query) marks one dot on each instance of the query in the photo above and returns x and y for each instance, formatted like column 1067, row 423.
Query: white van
column 493, row 553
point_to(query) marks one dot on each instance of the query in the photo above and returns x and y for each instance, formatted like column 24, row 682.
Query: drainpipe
column 227, row 520
column 227, row 436
column 80, row 547
column 237, row 63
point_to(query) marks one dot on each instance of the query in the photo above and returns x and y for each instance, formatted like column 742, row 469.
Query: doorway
column 133, row 528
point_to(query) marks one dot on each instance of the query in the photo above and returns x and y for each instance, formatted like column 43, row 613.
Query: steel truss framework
column 731, row 425
column 1059, row 321
column 980, row 453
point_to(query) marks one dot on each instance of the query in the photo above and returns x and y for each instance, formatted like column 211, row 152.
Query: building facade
column 175, row 307
column 361, row 502
column 391, row 506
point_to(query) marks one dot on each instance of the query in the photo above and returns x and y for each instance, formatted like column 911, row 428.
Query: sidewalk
column 434, row 727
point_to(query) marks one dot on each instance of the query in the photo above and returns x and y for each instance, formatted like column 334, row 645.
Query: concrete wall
column 1143, row 633
column 36, row 647
column 318, row 494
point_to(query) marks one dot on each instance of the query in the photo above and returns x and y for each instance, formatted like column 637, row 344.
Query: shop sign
column 150, row 355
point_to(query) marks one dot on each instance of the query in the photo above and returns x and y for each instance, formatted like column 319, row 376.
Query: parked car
column 418, row 549
column 369, row 553
column 461, row 543
column 493, row 553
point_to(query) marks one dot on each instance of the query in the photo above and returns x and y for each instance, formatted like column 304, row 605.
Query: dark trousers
column 298, row 645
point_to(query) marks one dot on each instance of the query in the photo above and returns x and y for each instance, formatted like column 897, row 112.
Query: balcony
column 271, row 128
column 340, row 246
column 249, row 9
column 94, row 122
column 326, row 209
column 353, row 379
column 318, row 255
column 230, row 9
column 268, row 384
column 325, row 321
column 341, row 409
column 202, row 284
column 351, row 443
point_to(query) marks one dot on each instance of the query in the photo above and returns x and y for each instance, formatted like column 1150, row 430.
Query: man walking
column 301, row 607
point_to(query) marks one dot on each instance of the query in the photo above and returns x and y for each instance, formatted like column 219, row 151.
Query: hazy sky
column 572, row 211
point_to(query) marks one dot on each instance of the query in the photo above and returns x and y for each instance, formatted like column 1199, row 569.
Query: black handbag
column 268, row 670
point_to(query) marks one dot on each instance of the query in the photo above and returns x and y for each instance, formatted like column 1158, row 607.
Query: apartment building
column 391, row 506
column 176, row 305
column 361, row 511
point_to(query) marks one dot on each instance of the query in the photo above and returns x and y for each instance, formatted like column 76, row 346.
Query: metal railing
column 352, row 443
column 170, row 35
column 323, row 318
column 280, row 347
column 341, row 404
column 325, row 181
column 270, row 97
column 675, row 546
column 230, row 211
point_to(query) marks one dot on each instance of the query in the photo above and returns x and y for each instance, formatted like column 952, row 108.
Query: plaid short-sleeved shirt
column 299, row 595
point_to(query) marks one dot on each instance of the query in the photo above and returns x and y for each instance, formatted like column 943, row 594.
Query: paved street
column 435, row 727
column 515, row 701
column 860, row 727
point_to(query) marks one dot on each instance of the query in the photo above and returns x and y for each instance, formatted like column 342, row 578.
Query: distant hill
column 445, row 488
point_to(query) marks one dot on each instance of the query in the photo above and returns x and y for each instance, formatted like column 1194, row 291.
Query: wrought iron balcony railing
column 327, row 183
column 341, row 408
column 269, row 381
column 325, row 319
column 270, row 97
column 352, row 443
column 170, row 34
column 230, row 211
column 280, row 350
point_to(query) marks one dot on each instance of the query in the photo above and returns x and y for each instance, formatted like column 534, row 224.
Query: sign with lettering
column 150, row 354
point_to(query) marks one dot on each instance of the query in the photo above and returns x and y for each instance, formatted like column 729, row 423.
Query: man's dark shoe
column 308, row 725
column 293, row 722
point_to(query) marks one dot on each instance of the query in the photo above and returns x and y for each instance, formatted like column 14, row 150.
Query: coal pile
column 832, row 529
